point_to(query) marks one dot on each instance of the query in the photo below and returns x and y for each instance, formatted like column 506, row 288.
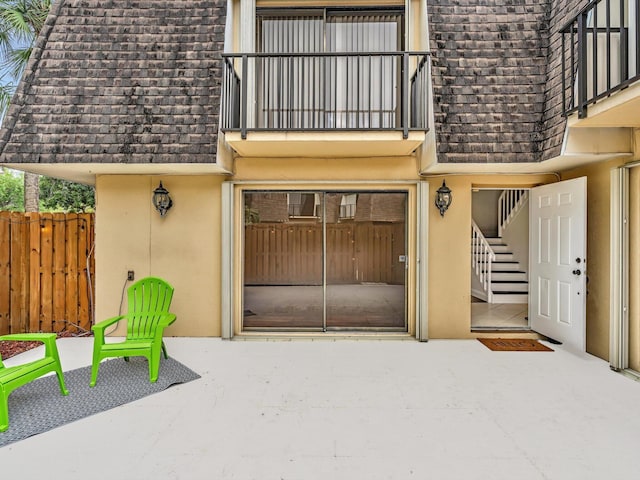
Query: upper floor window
column 323, row 30
column 351, row 83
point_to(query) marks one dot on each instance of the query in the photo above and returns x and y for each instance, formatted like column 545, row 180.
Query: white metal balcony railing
column 325, row 92
column 600, row 53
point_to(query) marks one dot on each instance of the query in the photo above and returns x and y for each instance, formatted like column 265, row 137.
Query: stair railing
column 482, row 256
column 509, row 204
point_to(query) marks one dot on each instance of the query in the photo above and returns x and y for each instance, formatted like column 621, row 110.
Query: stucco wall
column 598, row 253
column 485, row 208
column 450, row 251
column 183, row 247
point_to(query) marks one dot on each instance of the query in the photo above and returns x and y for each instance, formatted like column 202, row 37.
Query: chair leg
column 154, row 365
column 4, row 410
column 63, row 388
column 94, row 372
column 164, row 351
column 58, row 368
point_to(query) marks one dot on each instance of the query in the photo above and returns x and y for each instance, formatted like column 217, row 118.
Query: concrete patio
column 344, row 409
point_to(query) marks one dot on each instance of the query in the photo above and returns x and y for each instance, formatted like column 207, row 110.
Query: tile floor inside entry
column 499, row 315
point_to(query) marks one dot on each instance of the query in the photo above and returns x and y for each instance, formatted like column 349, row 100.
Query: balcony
column 600, row 56
column 326, row 104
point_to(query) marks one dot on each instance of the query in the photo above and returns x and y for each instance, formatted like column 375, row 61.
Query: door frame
column 232, row 248
column 526, row 328
column 619, row 270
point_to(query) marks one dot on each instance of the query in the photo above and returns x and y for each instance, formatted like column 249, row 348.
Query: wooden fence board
column 34, row 272
column 59, row 273
column 46, row 272
column 71, row 260
column 85, row 241
column 43, row 266
column 5, row 273
column 18, row 316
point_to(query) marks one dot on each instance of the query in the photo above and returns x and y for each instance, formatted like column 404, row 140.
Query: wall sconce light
column 443, row 198
column 161, row 200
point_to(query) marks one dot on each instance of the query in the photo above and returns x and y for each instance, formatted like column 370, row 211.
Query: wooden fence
column 44, row 259
column 291, row 254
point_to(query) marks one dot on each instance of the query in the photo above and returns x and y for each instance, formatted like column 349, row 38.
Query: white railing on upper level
column 481, row 258
column 509, row 203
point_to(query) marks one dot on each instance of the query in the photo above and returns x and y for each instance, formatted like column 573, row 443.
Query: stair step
column 509, row 287
column 513, row 276
column 494, row 240
column 504, row 257
column 505, row 267
column 510, row 297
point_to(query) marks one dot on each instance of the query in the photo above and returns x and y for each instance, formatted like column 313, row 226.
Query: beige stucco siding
column 450, row 251
column 598, row 253
column 183, row 247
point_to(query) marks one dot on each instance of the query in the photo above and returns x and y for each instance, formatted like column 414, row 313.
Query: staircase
column 500, row 276
column 509, row 284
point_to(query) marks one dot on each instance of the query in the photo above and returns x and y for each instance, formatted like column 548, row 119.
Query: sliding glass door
column 321, row 261
column 328, row 69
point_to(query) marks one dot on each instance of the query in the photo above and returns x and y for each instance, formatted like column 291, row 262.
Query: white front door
column 558, row 261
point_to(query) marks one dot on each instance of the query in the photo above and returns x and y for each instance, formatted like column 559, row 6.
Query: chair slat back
column 149, row 298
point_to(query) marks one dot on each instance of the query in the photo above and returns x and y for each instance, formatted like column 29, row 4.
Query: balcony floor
column 366, row 143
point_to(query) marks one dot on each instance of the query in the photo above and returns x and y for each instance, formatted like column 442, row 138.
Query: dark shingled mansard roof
column 497, row 78
column 120, row 81
column 138, row 81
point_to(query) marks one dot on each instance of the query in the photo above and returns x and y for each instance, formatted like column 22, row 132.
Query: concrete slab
column 348, row 409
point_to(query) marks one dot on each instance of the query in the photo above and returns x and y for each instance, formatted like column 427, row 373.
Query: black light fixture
column 443, row 198
column 161, row 200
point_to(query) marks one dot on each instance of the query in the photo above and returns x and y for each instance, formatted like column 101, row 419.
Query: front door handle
column 577, row 272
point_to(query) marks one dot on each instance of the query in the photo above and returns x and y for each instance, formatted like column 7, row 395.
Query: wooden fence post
column 34, row 271
column 5, row 274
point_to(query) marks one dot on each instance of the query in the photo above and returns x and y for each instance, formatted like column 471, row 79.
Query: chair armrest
column 100, row 326
column 166, row 320
column 49, row 340
column 27, row 337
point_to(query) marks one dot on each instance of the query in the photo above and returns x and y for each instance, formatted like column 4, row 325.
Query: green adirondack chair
column 147, row 317
column 19, row 375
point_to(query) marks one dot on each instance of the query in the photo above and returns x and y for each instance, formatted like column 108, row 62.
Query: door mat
column 514, row 345
column 38, row 406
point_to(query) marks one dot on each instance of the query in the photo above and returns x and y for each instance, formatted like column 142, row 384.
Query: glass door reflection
column 317, row 260
column 283, row 261
column 365, row 261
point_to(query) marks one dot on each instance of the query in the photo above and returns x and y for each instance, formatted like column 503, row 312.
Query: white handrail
column 482, row 256
column 509, row 203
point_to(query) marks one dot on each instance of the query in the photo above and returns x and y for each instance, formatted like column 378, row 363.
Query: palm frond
column 6, row 92
column 17, row 24
column 17, row 61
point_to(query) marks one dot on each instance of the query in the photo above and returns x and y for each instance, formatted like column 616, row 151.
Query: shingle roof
column 120, row 81
column 491, row 96
column 561, row 11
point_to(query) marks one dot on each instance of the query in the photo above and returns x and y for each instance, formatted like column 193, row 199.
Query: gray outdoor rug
column 39, row 406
